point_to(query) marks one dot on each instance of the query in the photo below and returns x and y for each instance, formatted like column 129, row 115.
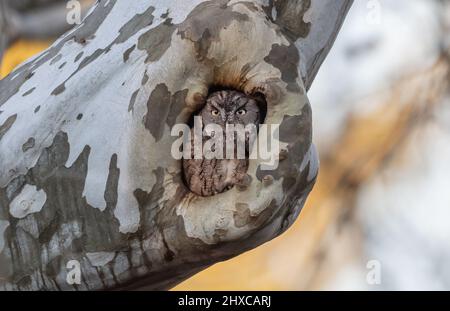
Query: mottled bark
column 86, row 171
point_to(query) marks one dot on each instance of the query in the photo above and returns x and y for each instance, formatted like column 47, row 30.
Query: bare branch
column 3, row 29
column 43, row 22
column 86, row 170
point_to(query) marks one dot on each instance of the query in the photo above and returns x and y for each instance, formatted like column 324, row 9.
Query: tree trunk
column 87, row 179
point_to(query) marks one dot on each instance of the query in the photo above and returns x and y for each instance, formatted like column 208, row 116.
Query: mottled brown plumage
column 206, row 177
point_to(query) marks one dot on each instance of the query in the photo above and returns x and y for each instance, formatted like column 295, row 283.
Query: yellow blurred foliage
column 19, row 52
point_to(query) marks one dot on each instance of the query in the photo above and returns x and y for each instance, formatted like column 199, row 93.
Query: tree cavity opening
column 221, row 135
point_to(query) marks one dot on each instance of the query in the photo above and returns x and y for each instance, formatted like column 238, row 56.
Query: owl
column 207, row 177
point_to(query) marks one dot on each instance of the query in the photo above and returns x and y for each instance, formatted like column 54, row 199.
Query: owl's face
column 230, row 107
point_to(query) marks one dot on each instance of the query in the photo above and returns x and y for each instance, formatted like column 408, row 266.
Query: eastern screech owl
column 207, row 177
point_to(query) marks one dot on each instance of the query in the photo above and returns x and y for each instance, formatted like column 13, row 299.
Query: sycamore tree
column 90, row 194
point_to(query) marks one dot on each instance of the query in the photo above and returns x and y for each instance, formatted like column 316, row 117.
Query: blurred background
column 379, row 216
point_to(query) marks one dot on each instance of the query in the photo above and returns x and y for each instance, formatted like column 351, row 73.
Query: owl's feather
column 206, row 177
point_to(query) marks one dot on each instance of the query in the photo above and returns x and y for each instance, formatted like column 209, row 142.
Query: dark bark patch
column 286, row 59
column 92, row 22
column 296, row 131
column 162, row 108
column 203, row 25
column 36, row 110
column 28, row 92
column 138, row 22
column 157, row 40
column 59, row 89
column 145, row 78
column 112, row 182
column 158, row 106
column 126, row 54
column 290, row 17
column 29, row 75
column 165, row 15
column 24, row 282
column 5, row 127
column 24, row 253
column 62, row 65
column 149, row 201
column 307, row 187
column 4, row 202
column 81, row 40
column 14, row 188
column 168, row 254
column 54, row 266
column 133, row 100
column 28, row 144
column 79, row 116
column 177, row 104
column 77, row 58
column 49, row 230
column 6, row 269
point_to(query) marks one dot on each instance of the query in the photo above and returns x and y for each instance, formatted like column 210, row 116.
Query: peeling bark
column 86, row 171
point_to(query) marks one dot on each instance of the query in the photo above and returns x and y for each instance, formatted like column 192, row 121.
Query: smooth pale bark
column 86, row 172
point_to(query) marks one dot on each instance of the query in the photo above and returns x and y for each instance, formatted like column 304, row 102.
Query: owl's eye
column 215, row 112
column 241, row 112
